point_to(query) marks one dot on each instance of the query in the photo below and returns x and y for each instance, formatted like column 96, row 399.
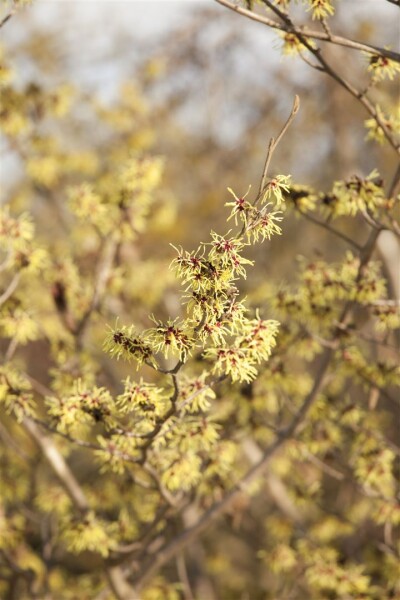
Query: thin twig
column 83, row 443
column 266, row 165
column 329, row 228
column 327, row 29
column 7, row 18
column 184, row 577
column 104, row 267
column 9, row 442
column 10, row 289
column 395, row 183
column 273, row 143
column 115, row 577
column 169, row 498
column 12, row 347
column 324, row 467
column 58, row 464
column 180, row 406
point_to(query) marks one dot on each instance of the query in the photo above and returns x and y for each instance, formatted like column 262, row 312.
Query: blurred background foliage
column 202, row 90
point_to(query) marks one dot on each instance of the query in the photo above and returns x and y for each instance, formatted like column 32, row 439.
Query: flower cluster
column 143, row 399
column 211, row 292
column 171, row 337
column 226, row 252
column 382, row 67
column 254, row 345
column 355, row 195
column 124, row 342
column 116, row 452
column 83, row 407
column 119, row 203
column 276, row 188
column 358, row 194
column 321, row 8
column 18, row 249
column 259, row 224
column 16, row 393
column 390, row 121
column 195, row 394
column 87, row 205
column 91, row 533
column 292, row 45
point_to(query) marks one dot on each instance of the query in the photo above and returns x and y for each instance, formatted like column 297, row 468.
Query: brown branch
column 7, row 18
column 184, row 577
column 58, row 464
column 327, row 29
column 102, row 274
column 311, row 33
column 276, row 487
column 10, row 289
column 180, row 406
column 326, row 68
column 302, row 35
column 160, row 423
column 324, row 467
column 12, row 347
column 10, row 443
column 395, row 183
column 329, row 228
column 121, row 589
column 273, row 143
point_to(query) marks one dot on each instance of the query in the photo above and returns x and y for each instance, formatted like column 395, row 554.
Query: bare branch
column 273, row 143
column 58, row 464
column 329, row 228
column 103, row 272
column 7, row 18
column 184, row 577
column 12, row 286
column 117, row 582
column 324, row 467
column 395, row 183
column 9, row 442
column 119, row 585
column 311, row 33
